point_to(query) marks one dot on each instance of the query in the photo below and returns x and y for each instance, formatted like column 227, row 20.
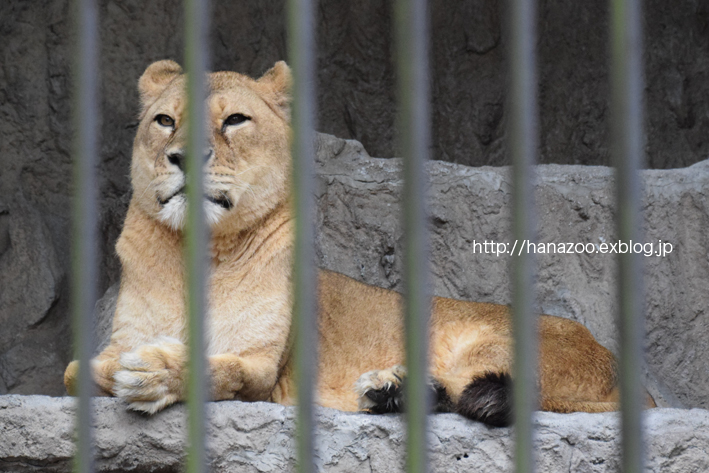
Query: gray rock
column 36, row 433
column 31, row 280
column 357, row 76
column 29, row 269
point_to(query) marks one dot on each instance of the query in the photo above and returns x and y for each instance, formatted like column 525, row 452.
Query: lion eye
column 236, row 119
column 166, row 121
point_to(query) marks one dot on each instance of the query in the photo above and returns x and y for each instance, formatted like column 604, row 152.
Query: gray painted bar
column 411, row 17
column 301, row 55
column 523, row 147
column 196, row 232
column 627, row 152
column 84, row 234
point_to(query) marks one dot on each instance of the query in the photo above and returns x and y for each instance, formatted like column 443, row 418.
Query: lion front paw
column 71, row 378
column 381, row 391
column 101, row 371
column 152, row 376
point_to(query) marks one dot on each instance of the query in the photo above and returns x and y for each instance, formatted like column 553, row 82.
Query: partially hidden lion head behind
column 247, row 160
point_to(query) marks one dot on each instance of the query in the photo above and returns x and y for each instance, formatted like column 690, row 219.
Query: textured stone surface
column 31, row 280
column 36, row 432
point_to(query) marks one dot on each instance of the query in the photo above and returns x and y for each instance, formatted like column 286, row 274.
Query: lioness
column 248, row 207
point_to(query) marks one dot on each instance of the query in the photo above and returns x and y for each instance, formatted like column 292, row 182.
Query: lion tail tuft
column 488, row 399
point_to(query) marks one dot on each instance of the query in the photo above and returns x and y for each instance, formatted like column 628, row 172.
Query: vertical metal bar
column 84, row 265
column 196, row 231
column 523, row 148
column 301, row 54
column 627, row 148
column 411, row 17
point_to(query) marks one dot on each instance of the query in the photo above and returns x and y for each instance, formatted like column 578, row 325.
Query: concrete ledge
column 36, row 434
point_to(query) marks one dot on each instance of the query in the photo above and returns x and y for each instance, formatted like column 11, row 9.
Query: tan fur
column 250, row 284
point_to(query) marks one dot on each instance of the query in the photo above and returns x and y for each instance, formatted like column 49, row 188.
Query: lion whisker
column 248, row 187
column 252, row 168
column 150, row 184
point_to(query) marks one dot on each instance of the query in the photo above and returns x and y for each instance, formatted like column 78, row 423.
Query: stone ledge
column 36, row 434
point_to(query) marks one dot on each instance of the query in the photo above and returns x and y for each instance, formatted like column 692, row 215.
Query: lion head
column 247, row 160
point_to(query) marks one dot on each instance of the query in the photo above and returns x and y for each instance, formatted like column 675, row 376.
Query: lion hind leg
column 382, row 392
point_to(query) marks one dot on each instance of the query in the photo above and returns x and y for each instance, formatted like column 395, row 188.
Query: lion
column 248, row 207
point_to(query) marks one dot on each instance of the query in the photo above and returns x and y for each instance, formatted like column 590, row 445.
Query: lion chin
column 174, row 211
column 247, row 203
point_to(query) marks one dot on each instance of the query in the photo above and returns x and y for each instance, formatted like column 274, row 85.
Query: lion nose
column 177, row 157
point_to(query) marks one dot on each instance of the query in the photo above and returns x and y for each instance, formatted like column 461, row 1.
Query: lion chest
column 246, row 314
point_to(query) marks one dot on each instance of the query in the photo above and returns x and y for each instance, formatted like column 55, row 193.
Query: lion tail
column 488, row 399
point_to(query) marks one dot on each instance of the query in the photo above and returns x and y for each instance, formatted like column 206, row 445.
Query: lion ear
column 276, row 83
column 155, row 80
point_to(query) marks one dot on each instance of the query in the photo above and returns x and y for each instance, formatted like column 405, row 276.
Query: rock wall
column 36, row 434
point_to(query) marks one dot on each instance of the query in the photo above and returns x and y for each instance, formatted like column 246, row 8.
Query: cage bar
column 523, row 148
column 301, row 55
column 411, row 17
column 627, row 153
column 84, row 234
column 196, row 231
